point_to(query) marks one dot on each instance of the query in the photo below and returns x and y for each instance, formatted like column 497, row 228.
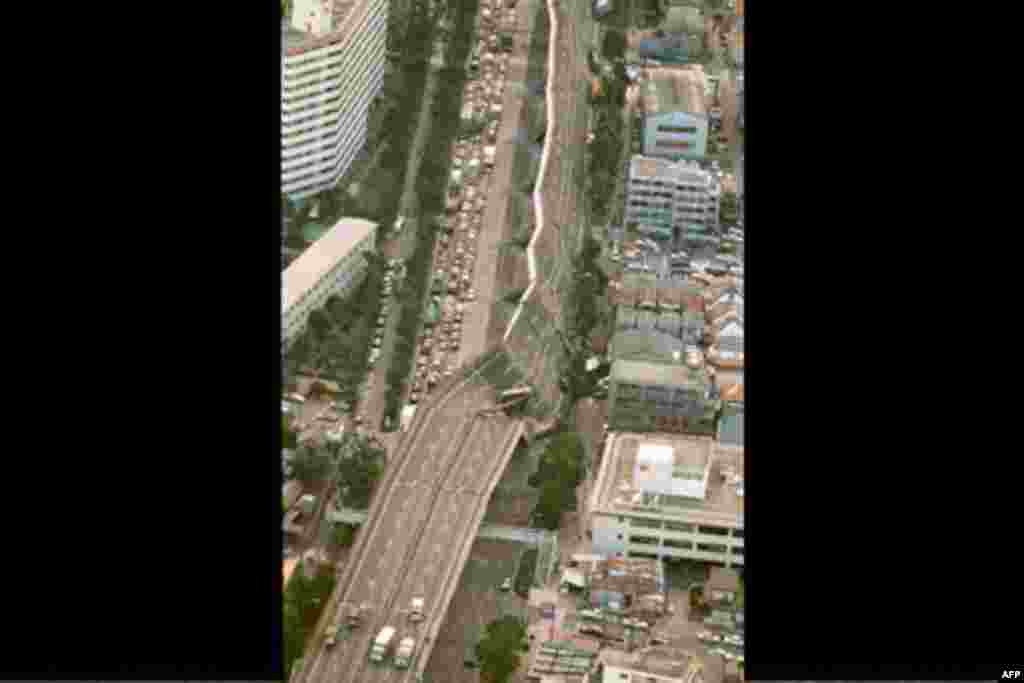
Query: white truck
column 404, row 654
column 382, row 643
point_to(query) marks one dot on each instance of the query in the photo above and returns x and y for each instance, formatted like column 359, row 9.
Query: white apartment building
column 334, row 264
column 677, row 201
column 332, row 67
column 668, row 496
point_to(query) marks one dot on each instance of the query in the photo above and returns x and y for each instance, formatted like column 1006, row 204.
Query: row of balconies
column 334, row 64
column 319, row 106
column 329, row 136
column 328, row 139
column 326, row 175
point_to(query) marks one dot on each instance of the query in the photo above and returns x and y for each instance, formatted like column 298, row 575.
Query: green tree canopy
column 360, row 466
column 319, row 323
column 310, row 464
column 498, row 650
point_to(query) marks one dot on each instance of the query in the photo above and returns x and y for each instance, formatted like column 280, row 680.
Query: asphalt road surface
column 428, row 513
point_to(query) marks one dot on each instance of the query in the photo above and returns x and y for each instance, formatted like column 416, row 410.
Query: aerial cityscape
column 512, row 336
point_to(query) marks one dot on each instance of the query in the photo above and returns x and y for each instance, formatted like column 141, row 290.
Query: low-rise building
column 674, row 110
column 660, row 396
column 651, row 665
column 623, row 583
column 563, row 661
column 332, row 265
column 668, row 496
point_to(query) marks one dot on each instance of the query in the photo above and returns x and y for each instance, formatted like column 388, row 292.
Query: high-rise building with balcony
column 332, row 67
column 673, row 202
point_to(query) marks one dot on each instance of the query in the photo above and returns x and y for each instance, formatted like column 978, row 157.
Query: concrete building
column 651, row 665
column 678, row 203
column 658, row 396
column 332, row 67
column 334, row 264
column 627, row 585
column 675, row 113
column 666, row 496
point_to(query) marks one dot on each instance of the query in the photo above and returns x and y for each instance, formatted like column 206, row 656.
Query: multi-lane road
column 419, row 531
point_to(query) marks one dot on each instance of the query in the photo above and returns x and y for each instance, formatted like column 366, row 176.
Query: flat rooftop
column 655, row 661
column 305, row 271
column 688, row 172
column 670, row 90
column 296, row 40
column 615, row 492
column 663, row 374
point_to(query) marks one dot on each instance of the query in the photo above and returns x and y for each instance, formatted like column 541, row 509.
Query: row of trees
column 354, row 466
column 303, row 601
column 360, row 465
column 605, row 152
column 558, row 474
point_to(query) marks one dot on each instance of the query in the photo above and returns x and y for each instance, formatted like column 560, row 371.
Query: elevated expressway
column 419, row 531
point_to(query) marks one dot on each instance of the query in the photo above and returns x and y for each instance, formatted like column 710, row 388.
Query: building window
column 644, row 540
column 679, row 526
column 714, row 531
column 737, row 533
column 737, row 551
column 711, row 548
column 646, row 523
column 677, row 129
column 681, row 545
column 673, row 144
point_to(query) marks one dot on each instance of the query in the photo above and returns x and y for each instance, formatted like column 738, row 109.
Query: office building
column 674, row 113
column 667, row 496
column 332, row 67
column 677, row 203
column 333, row 265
